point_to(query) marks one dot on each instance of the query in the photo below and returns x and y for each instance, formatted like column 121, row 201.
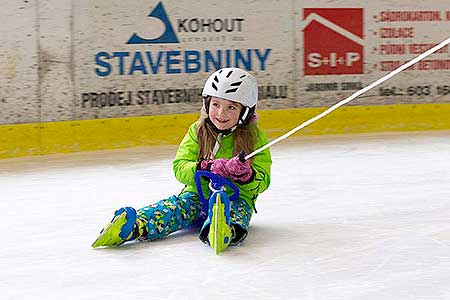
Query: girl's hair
column 244, row 137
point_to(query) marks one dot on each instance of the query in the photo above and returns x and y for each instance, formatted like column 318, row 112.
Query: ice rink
column 346, row 217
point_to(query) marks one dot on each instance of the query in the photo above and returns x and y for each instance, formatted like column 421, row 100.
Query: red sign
column 333, row 41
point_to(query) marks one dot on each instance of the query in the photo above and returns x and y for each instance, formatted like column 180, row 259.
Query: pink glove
column 217, row 166
column 238, row 170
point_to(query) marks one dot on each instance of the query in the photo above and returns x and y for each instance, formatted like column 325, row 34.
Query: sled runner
column 218, row 207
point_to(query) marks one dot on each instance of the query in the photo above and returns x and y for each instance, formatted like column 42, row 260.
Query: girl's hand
column 217, row 166
column 233, row 169
column 239, row 171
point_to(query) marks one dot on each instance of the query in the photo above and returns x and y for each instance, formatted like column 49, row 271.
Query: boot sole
column 109, row 236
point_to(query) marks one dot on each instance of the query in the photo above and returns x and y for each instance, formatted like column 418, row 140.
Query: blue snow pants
column 178, row 212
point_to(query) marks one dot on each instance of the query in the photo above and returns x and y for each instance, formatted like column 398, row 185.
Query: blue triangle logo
column 168, row 37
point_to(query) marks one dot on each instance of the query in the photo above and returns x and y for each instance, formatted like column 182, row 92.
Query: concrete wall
column 76, row 60
column 19, row 60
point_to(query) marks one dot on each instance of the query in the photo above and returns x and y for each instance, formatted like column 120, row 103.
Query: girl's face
column 223, row 113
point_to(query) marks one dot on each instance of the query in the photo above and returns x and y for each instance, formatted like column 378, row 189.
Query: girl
column 227, row 126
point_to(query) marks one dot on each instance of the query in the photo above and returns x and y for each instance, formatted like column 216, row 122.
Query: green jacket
column 186, row 159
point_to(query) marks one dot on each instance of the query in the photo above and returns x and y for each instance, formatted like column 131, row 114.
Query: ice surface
column 346, row 217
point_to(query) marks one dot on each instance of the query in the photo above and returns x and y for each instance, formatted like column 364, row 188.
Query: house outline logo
column 338, row 29
column 343, row 29
column 168, row 37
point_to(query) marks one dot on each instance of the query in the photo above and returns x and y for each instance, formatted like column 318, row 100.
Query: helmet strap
column 243, row 115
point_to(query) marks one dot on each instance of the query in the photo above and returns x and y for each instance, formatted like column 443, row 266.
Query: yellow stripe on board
column 359, row 119
column 99, row 134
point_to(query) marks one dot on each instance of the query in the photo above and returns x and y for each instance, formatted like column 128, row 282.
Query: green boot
column 124, row 226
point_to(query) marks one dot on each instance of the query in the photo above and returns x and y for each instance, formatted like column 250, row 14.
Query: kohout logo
column 167, row 37
column 178, row 61
column 186, row 25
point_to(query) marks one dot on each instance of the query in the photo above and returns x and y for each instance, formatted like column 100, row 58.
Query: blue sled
column 218, row 207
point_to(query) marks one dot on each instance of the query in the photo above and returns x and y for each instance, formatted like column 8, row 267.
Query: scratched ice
column 346, row 217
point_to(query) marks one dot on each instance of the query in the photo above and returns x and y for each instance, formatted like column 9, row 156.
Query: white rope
column 351, row 97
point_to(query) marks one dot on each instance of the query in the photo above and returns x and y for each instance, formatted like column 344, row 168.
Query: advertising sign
column 153, row 57
column 88, row 59
column 348, row 45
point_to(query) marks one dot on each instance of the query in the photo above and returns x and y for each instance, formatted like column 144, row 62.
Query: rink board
column 114, row 133
column 63, row 60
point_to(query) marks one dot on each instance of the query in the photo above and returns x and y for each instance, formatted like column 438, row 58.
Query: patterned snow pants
column 178, row 212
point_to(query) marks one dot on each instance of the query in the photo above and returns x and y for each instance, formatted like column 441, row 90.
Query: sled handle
column 217, row 184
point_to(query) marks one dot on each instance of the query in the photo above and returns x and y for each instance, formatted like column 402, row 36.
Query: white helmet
column 236, row 85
